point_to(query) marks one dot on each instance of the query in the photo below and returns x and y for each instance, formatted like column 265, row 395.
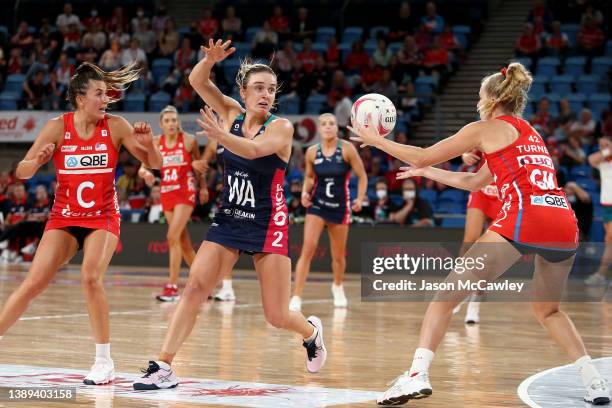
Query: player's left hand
column 200, row 165
column 212, row 127
column 143, row 134
column 407, row 172
column 356, row 207
column 365, row 135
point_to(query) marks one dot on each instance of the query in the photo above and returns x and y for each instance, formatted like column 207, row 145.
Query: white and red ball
column 380, row 107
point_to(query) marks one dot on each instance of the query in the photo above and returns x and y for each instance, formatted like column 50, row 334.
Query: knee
column 91, row 279
column 194, row 290
column 308, row 251
column 173, row 238
column 277, row 318
column 543, row 311
column 338, row 260
column 33, row 287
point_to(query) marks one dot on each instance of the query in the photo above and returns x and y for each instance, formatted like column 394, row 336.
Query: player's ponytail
column 507, row 89
column 247, row 67
column 117, row 80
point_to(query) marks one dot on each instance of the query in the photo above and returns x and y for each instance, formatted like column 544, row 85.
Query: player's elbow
column 21, row 173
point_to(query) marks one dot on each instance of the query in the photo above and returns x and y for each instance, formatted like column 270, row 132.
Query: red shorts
column 550, row 225
column 489, row 205
column 172, row 199
column 110, row 223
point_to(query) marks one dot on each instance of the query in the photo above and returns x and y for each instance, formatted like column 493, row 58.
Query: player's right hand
column 217, row 51
column 306, row 202
column 200, row 165
column 407, row 172
column 45, row 154
column 470, row 158
column 148, row 178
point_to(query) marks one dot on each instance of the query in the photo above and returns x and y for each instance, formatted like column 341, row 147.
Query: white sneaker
column 316, row 353
column 405, row 388
column 339, row 296
column 156, row 378
column 225, row 295
column 598, row 392
column 102, row 372
column 29, row 249
column 4, row 244
column 295, row 304
column 596, row 279
column 457, row 308
column 472, row 315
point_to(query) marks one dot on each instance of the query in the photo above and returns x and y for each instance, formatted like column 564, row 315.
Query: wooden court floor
column 368, row 344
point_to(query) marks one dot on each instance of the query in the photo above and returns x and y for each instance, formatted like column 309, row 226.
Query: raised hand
column 200, row 165
column 365, row 135
column 217, row 51
column 212, row 127
column 143, row 133
column 408, row 172
column 45, row 154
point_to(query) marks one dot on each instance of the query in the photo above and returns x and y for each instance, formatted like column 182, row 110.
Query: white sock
column 227, row 284
column 103, row 352
column 421, row 361
column 163, row 364
column 587, row 370
column 312, row 336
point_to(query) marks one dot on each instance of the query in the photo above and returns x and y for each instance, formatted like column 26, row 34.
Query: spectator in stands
column 120, row 36
column 540, row 17
column 38, row 94
column 410, row 58
column 209, row 25
column 265, row 42
column 38, row 61
column 382, row 54
column 279, row 23
column 87, row 52
column 194, row 35
column 168, row 39
column 370, row 75
column 557, row 42
column 97, row 37
column 432, row 20
column 23, row 38
column 321, row 76
column 436, row 59
column 185, row 57
column 564, row 120
column 3, row 66
column 572, row 153
column 67, row 18
column 422, row 38
column 386, row 86
column 72, row 39
column 184, row 98
column 93, row 18
column 332, row 54
column 15, row 211
column 111, row 58
column 605, row 127
column 146, row 37
column 449, row 40
column 153, row 208
column 582, row 205
column 414, row 211
column 138, row 19
column 584, row 128
column 590, row 13
column 128, row 181
column 133, row 54
column 408, row 102
column 591, row 38
column 118, row 21
column 158, row 23
column 203, row 208
column 375, row 169
column 33, row 226
column 405, row 23
column 393, row 184
column 338, row 89
column 542, row 119
column 383, row 207
column 528, row 44
column 307, row 56
column 284, row 62
column 342, row 112
column 303, row 27
column 15, row 62
column 357, row 59
column 296, row 210
column 231, row 25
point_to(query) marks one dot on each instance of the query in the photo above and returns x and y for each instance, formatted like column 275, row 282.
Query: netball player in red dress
column 84, row 145
column 252, row 216
column 178, row 192
column 535, row 218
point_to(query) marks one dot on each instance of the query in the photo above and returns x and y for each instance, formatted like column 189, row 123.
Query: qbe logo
column 86, row 161
column 549, row 200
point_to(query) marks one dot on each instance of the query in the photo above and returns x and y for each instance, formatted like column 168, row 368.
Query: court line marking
column 147, row 311
column 523, row 388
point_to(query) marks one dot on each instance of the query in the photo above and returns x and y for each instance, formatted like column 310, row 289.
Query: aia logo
column 29, row 124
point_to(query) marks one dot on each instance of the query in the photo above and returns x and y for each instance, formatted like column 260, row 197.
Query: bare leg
column 187, row 247
column 313, row 226
column 338, row 235
column 177, row 220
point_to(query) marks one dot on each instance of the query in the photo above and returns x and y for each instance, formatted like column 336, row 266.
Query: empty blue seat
column 378, row 30
column 429, row 195
column 451, row 194
column 324, row 34
column 548, row 66
column 425, row 85
column 576, row 101
column 599, row 102
column 243, row 49
column 449, row 207
column 320, row 47
column 289, row 105
column 526, row 62
column 571, row 30
column 230, row 69
column 462, row 29
column 574, row 66
column 601, row 66
column 395, row 46
column 539, row 86
column 352, row 34
column 158, row 101
column 453, row 222
column 160, row 68
column 588, row 84
column 314, row 103
column 14, row 83
column 249, row 34
column 561, row 84
column 184, row 31
column 8, row 100
column 134, row 102
column 463, row 40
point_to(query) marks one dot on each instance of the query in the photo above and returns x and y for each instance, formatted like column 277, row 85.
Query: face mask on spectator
column 140, row 13
column 571, row 198
column 409, row 194
column 381, row 193
column 94, row 13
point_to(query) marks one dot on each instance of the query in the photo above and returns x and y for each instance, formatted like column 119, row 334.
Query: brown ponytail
column 508, row 91
column 117, row 80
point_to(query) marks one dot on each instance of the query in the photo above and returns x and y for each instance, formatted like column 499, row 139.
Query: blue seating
column 571, row 30
column 574, row 66
column 608, row 52
column 583, row 171
column 158, row 101
column 429, row 195
column 243, row 49
column 598, row 103
column 370, row 47
column 160, row 68
column 374, row 31
column 453, row 195
column 576, row 101
column 14, row 84
column 289, row 105
column 134, row 102
column 561, row 84
column 548, row 66
column 587, row 84
column 601, row 65
column 526, row 62
column 249, row 34
column 230, row 69
column 184, row 31
column 324, row 34
column 454, row 222
column 463, row 40
column 352, row 34
column 344, row 49
column 8, row 100
column 449, row 207
column 462, row 29
column 538, row 86
column 314, row 103
column 320, row 47
column 425, row 85
column 395, row 46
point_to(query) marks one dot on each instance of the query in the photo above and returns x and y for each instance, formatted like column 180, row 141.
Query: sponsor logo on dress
column 86, row 148
column 100, row 147
column 549, row 200
column 318, row 161
column 104, row 133
column 536, row 159
column 86, row 161
column 67, row 135
column 69, row 149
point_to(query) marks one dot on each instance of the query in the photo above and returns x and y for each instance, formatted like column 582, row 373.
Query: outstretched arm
column 138, row 140
column 42, row 150
column 462, row 180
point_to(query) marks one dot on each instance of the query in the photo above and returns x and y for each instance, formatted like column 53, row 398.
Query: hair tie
column 503, row 71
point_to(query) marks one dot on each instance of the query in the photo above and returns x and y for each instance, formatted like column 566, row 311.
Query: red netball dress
column 177, row 178
column 487, row 198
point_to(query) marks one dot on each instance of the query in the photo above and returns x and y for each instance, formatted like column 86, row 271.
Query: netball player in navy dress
column 252, row 217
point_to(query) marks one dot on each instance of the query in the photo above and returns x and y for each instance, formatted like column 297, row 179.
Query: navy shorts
column 334, row 217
